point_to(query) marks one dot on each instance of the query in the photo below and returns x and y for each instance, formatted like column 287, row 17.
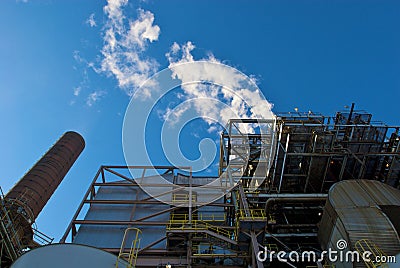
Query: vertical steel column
column 284, row 162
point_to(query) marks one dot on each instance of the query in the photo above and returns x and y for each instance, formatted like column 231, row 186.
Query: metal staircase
column 202, row 227
column 10, row 241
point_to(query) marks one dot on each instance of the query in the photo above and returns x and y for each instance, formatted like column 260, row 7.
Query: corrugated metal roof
column 363, row 193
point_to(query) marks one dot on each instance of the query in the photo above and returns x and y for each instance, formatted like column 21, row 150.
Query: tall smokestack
column 28, row 197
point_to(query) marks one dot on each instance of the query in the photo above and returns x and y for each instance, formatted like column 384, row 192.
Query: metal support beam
column 284, row 162
column 255, row 248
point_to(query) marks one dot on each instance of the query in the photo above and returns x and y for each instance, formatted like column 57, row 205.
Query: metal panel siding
column 326, row 225
column 103, row 236
column 382, row 194
column 345, row 194
column 352, row 213
column 370, row 223
column 363, row 193
column 338, row 233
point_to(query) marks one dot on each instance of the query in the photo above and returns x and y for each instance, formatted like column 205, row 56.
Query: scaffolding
column 12, row 232
column 277, row 173
column 11, row 247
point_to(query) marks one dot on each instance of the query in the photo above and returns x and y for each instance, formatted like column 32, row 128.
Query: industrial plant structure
column 300, row 183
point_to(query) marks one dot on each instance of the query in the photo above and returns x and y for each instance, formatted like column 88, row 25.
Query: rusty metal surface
column 35, row 188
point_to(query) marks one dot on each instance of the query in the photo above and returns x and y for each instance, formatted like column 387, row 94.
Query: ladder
column 364, row 245
column 130, row 256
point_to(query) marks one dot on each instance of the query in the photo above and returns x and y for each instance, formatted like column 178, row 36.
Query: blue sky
column 314, row 55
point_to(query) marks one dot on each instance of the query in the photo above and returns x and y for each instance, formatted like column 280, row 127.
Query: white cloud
column 124, row 47
column 214, row 128
column 180, row 54
column 77, row 90
column 142, row 30
column 123, row 58
column 173, row 115
column 77, row 56
column 85, row 81
column 91, row 21
column 95, row 97
column 226, row 86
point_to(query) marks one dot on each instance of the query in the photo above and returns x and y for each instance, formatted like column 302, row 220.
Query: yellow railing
column 323, row 266
column 198, row 250
column 271, row 219
column 272, row 247
column 255, row 214
column 221, row 217
column 198, row 225
column 130, row 256
column 183, row 198
column 364, row 245
column 236, row 228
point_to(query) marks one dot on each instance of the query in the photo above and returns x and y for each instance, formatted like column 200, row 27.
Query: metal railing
column 198, row 225
column 255, row 214
column 220, row 217
column 183, row 198
column 9, row 236
column 130, row 256
column 364, row 245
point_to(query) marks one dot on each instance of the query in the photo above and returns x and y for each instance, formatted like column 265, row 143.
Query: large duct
column 28, row 197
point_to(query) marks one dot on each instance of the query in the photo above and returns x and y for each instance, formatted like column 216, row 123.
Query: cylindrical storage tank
column 31, row 193
column 67, row 256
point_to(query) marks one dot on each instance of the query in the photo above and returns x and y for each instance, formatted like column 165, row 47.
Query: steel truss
column 278, row 173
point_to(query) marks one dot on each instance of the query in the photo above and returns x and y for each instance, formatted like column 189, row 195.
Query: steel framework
column 278, row 172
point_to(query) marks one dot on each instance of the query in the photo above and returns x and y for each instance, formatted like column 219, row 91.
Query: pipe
column 30, row 194
column 289, row 196
column 350, row 114
column 268, row 235
column 295, row 226
column 296, row 198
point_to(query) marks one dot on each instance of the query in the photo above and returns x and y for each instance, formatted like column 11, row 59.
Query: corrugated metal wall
column 352, row 212
column 110, row 236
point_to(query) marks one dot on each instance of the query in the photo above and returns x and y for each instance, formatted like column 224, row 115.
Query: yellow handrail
column 183, row 198
column 198, row 225
column 255, row 214
column 131, row 256
column 200, row 216
column 364, row 245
